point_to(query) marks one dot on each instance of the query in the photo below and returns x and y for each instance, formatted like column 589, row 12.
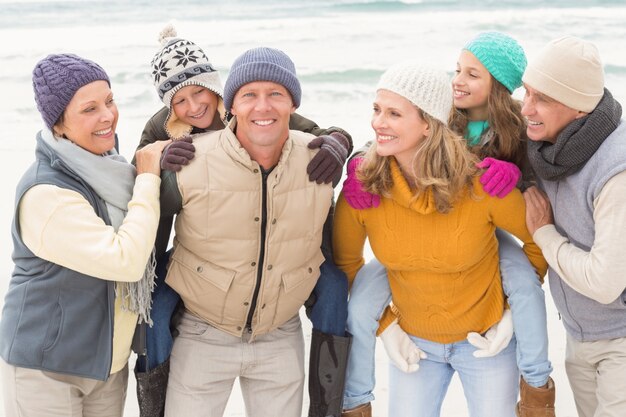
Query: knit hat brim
column 209, row 80
column 261, row 71
column 560, row 92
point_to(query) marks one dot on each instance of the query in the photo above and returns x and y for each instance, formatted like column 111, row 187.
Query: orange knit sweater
column 443, row 269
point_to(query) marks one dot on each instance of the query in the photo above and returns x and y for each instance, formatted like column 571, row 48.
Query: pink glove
column 356, row 197
column 500, row 177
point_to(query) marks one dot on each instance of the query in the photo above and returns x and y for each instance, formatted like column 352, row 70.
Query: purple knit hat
column 57, row 77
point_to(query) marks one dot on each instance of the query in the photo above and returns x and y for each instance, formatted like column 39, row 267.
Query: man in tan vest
column 247, row 252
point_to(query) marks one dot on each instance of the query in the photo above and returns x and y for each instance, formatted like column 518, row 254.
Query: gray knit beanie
column 57, row 77
column 429, row 89
column 262, row 64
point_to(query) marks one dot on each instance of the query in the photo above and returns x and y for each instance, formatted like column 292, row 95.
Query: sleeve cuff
column 148, row 179
column 546, row 235
column 386, row 320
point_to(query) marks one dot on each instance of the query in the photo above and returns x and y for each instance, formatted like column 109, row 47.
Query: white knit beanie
column 569, row 71
column 427, row 88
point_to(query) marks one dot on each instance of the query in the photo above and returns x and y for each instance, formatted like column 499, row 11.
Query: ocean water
column 340, row 48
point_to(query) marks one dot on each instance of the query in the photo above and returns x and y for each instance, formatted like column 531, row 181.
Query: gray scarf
column 113, row 179
column 576, row 143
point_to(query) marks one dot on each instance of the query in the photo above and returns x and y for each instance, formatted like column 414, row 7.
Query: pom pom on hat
column 167, row 32
column 56, row 79
column 503, row 57
column 568, row 70
column 262, row 64
column 427, row 88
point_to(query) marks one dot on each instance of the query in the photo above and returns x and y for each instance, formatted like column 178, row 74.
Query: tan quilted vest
column 217, row 244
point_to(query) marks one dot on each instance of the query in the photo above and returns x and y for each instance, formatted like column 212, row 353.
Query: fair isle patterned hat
column 427, row 88
column 180, row 63
column 503, row 57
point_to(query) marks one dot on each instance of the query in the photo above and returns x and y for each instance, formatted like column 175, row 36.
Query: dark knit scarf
column 576, row 143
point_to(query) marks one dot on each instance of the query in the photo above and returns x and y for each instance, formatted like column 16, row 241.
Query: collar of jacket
column 240, row 155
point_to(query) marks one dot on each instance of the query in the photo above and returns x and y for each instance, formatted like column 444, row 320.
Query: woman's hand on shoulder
column 149, row 157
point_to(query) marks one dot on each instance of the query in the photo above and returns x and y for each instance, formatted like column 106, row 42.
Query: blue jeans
column 490, row 384
column 528, row 307
column 159, row 340
column 330, row 311
column 370, row 294
column 328, row 314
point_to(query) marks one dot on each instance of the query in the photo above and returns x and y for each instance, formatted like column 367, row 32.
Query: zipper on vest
column 260, row 264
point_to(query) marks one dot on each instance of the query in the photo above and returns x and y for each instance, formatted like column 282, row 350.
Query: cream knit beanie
column 569, row 71
column 427, row 88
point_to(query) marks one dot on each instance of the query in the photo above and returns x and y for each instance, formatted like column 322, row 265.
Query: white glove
column 400, row 348
column 496, row 338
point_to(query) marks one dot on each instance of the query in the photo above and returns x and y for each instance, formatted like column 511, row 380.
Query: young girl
column 191, row 90
column 488, row 71
column 434, row 233
column 83, row 231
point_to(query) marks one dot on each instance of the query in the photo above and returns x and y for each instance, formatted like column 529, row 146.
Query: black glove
column 177, row 154
column 327, row 164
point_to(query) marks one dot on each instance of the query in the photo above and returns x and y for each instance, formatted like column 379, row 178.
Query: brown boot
column 364, row 410
column 535, row 402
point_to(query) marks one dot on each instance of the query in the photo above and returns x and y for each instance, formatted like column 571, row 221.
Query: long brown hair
column 442, row 164
column 506, row 123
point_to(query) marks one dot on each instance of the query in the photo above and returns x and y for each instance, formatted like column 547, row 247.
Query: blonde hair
column 506, row 122
column 442, row 164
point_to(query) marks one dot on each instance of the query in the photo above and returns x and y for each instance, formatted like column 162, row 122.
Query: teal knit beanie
column 503, row 57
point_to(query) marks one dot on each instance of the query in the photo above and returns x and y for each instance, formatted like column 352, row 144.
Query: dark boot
column 327, row 373
column 151, row 388
column 536, row 402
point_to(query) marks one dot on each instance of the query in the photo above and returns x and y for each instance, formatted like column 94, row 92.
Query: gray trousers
column 597, row 375
column 34, row 393
column 206, row 361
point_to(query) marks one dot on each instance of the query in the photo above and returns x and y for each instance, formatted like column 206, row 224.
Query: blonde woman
column 434, row 233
